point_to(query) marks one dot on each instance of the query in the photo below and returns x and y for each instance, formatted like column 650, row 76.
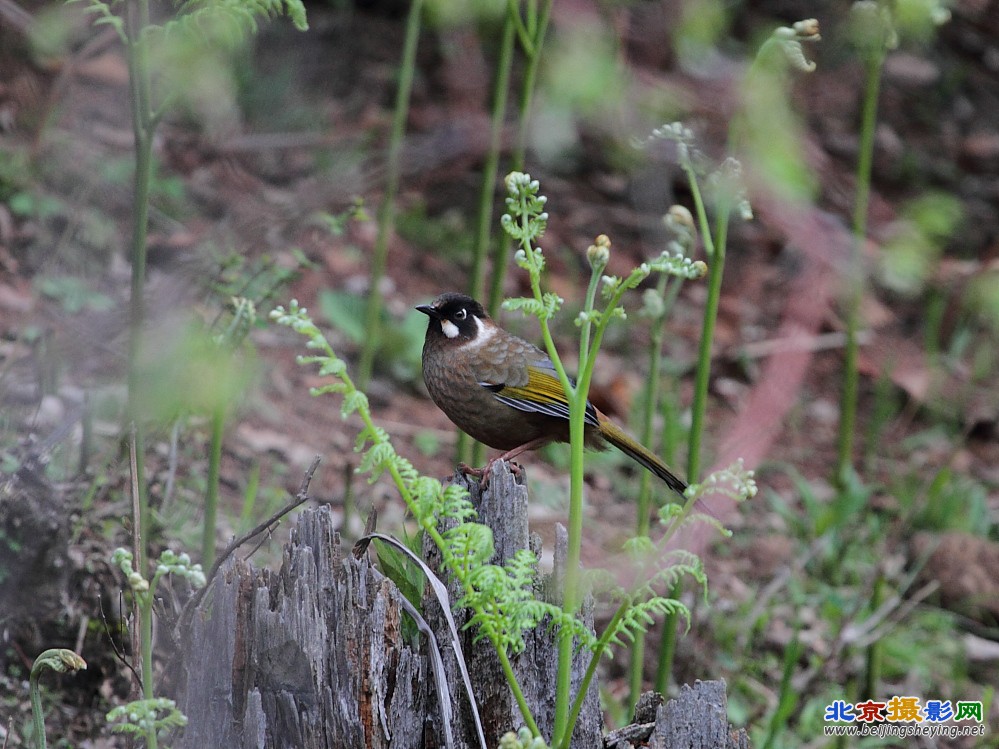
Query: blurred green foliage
column 446, row 235
column 582, row 73
column 188, row 372
column 400, row 348
column 74, row 294
column 910, row 257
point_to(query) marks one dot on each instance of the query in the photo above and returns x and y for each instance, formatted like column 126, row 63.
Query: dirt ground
column 305, row 133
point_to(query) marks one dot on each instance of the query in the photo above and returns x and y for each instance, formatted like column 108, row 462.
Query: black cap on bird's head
column 454, row 316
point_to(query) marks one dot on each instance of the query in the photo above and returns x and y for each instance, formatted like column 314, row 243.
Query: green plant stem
column 518, row 693
column 702, row 378
column 667, row 642
column 651, row 398
column 570, row 589
column 37, row 717
column 787, row 698
column 386, row 211
column 591, row 669
column 670, row 434
column 714, row 249
column 146, row 637
column 667, row 647
column 855, row 282
column 587, row 364
column 715, row 258
column 588, row 304
column 577, row 412
column 490, row 169
column 142, row 129
column 700, row 211
column 535, row 30
column 538, row 23
column 562, row 730
column 874, row 657
column 487, row 195
column 212, row 492
column 57, row 659
column 525, row 36
column 605, row 639
column 703, row 373
column 570, row 593
column 668, row 293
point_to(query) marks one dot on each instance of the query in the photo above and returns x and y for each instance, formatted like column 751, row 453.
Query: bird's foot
column 467, row 470
column 485, row 472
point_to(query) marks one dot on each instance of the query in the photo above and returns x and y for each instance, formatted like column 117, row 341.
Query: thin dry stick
column 851, row 634
column 779, row 581
column 119, row 654
column 301, row 496
column 892, row 615
column 81, row 633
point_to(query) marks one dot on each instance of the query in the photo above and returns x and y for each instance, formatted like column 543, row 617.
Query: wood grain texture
column 311, row 656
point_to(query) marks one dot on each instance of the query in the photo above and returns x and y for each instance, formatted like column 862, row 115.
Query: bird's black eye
column 460, row 314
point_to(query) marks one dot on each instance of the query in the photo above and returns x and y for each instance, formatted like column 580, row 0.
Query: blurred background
column 274, row 174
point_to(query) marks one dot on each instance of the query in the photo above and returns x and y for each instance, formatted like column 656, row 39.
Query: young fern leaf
column 583, row 636
column 105, row 16
column 641, row 615
column 523, row 304
column 141, row 716
column 468, row 547
column 249, row 10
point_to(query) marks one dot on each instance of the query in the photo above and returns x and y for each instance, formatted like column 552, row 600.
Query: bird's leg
column 484, row 472
column 532, row 445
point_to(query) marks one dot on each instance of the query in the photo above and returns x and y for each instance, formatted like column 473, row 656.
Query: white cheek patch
column 449, row 328
column 483, row 336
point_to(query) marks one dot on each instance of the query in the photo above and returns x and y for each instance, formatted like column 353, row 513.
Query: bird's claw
column 485, row 472
column 467, row 470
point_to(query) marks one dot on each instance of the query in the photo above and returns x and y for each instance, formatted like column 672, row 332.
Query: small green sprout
column 59, row 660
column 598, row 253
column 170, row 563
column 788, row 39
column 146, row 716
column 523, row 739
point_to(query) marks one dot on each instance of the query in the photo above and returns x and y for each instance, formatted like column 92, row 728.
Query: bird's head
column 457, row 319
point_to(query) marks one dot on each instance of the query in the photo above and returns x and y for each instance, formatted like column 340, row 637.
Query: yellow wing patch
column 542, row 394
column 542, row 387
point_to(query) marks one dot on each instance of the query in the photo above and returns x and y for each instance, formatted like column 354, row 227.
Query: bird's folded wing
column 542, row 393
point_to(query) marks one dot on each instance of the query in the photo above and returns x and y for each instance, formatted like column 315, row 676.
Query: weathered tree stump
column 697, row 719
column 312, row 656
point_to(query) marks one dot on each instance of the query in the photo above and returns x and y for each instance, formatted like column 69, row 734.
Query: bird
column 505, row 392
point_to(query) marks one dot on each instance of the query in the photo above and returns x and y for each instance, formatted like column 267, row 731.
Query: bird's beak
column 429, row 311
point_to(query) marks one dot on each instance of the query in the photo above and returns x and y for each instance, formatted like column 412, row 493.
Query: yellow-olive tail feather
column 640, row 454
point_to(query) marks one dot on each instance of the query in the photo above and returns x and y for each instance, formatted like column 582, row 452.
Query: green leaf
column 397, row 568
column 345, row 312
column 353, row 401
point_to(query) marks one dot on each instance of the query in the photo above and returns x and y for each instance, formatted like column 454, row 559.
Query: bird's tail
column 639, row 453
